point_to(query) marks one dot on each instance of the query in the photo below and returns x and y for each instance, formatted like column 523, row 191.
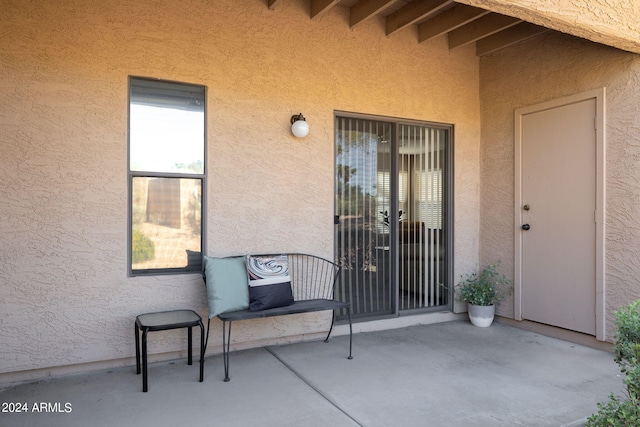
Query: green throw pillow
column 226, row 280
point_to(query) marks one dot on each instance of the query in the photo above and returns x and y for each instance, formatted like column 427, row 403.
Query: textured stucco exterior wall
column 546, row 68
column 611, row 22
column 65, row 296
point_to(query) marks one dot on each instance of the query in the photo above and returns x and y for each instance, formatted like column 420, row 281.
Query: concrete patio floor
column 446, row 374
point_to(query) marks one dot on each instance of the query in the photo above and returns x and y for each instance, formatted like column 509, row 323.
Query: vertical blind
column 421, row 239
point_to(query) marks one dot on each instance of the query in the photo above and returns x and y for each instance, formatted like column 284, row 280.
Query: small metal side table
column 163, row 321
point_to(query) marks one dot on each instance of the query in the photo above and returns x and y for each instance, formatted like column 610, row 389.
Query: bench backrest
column 312, row 277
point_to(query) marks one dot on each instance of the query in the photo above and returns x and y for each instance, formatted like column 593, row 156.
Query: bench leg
column 202, row 348
column 226, row 341
column 206, row 342
column 333, row 319
column 350, row 333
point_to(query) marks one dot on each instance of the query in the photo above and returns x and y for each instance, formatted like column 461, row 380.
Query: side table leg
column 190, row 358
column 145, row 386
column 137, row 349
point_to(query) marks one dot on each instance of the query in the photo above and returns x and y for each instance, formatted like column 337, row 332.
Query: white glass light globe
column 300, row 128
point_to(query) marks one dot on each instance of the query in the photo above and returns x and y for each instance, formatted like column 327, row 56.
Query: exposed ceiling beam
column 413, row 12
column 480, row 28
column 365, row 9
column 611, row 22
column 480, row 21
column 318, row 7
column 508, row 37
column 449, row 20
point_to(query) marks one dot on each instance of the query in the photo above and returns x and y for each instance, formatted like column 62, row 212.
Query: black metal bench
column 313, row 281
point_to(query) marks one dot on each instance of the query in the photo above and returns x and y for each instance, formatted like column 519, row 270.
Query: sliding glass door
column 390, row 186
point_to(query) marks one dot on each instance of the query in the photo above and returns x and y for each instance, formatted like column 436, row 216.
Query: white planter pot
column 481, row 315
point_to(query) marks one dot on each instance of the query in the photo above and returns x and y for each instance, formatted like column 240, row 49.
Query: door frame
column 447, row 213
column 600, row 208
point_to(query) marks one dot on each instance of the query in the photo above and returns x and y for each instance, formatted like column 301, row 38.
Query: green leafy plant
column 142, row 247
column 484, row 287
column 626, row 350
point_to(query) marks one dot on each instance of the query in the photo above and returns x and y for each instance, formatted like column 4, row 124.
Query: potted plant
column 482, row 290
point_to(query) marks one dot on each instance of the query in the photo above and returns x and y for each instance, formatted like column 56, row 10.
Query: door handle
column 526, row 227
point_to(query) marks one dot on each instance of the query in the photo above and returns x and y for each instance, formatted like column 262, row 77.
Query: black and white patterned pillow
column 269, row 282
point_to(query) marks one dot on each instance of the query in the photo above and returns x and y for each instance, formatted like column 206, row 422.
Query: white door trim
column 599, row 214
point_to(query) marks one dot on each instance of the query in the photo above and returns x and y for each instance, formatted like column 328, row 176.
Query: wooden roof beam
column 413, row 12
column 366, row 9
column 449, row 20
column 480, row 28
column 508, row 37
column 319, row 7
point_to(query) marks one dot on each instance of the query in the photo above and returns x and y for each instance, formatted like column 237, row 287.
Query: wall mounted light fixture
column 299, row 126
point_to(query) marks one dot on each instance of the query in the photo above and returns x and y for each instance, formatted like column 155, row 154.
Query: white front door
column 557, row 214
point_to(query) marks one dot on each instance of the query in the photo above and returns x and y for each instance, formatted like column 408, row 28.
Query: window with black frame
column 166, row 176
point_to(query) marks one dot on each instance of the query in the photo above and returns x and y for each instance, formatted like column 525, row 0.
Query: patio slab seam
column 313, row 386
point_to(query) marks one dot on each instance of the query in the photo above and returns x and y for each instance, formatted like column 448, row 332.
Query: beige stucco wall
column 540, row 70
column 65, row 297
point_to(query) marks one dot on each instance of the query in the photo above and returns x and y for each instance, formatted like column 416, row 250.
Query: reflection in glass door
column 363, row 206
column 390, row 215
